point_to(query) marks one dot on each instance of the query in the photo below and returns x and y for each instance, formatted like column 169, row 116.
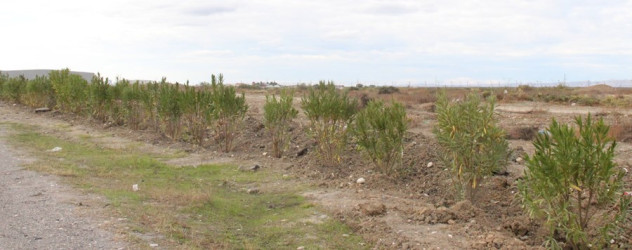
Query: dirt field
column 418, row 211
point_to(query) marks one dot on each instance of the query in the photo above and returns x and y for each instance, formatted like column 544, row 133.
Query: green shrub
column 13, row 88
column 71, row 91
column 572, row 178
column 170, row 108
column 100, row 100
column 380, row 130
column 387, row 90
column 277, row 115
column 149, row 98
column 39, row 92
column 132, row 106
column 330, row 113
column 198, row 110
column 470, row 141
column 228, row 112
column 3, row 79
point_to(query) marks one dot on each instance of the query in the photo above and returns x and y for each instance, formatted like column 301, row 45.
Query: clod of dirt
column 302, row 152
column 522, row 133
column 519, row 226
column 372, row 208
column 498, row 241
column 249, row 168
column 461, row 211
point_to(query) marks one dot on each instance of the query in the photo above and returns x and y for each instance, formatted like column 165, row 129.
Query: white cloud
column 344, row 40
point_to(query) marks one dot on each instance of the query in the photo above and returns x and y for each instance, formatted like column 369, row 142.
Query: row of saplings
column 571, row 181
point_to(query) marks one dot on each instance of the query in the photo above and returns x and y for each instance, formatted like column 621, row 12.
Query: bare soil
column 40, row 213
column 417, row 210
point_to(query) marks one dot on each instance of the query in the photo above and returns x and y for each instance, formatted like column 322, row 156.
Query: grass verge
column 203, row 207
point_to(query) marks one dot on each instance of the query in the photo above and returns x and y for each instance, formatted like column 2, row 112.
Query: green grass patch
column 194, row 207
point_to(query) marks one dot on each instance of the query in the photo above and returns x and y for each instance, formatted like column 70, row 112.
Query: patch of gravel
column 39, row 213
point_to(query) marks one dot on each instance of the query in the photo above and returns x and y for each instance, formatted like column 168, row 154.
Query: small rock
column 55, row 149
column 300, row 248
column 430, row 164
column 361, row 180
column 153, row 245
column 135, row 187
column 265, row 153
column 41, row 110
column 253, row 191
column 250, row 168
column 519, row 160
column 451, row 222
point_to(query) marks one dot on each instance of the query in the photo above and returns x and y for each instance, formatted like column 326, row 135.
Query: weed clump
column 228, row 112
column 277, row 115
column 570, row 179
column 470, row 141
column 379, row 131
column 330, row 114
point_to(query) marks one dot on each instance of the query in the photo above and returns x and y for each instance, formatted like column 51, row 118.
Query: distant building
column 32, row 73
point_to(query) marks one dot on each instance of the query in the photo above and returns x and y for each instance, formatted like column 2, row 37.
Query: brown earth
column 417, row 210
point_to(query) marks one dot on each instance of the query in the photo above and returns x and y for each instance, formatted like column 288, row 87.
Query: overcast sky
column 373, row 41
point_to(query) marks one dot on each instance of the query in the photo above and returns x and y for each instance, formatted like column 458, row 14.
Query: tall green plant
column 39, row 92
column 100, row 100
column 70, row 91
column 570, row 179
column 149, row 98
column 277, row 115
column 170, row 108
column 470, row 141
column 379, row 131
column 131, row 102
column 3, row 79
column 330, row 113
column 198, row 110
column 14, row 88
column 228, row 112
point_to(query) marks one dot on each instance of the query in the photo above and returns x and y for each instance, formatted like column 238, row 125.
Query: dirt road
column 39, row 213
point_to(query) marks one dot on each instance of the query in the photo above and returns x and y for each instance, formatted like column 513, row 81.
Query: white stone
column 430, row 164
column 361, row 181
column 55, row 149
column 519, row 160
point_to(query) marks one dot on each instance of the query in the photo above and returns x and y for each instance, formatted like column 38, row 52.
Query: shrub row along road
column 36, row 211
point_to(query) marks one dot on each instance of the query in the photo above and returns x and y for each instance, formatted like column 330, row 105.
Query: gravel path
column 36, row 212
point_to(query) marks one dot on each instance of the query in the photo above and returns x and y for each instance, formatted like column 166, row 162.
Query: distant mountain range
column 32, row 73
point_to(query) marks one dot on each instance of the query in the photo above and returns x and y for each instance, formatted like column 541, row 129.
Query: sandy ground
column 39, row 213
column 415, row 217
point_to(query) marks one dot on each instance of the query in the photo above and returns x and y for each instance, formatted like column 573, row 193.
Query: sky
column 397, row 42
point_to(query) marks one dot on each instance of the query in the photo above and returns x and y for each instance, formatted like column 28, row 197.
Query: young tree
column 570, row 179
column 470, row 141
column 330, row 113
column 277, row 115
column 380, row 131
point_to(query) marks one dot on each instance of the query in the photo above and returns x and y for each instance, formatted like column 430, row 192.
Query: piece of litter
column 135, row 187
column 55, row 149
